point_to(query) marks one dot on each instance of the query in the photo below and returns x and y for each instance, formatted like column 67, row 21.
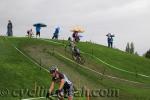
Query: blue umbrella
column 80, row 36
column 39, row 25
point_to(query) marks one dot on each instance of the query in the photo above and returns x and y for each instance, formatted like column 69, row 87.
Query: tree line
column 130, row 48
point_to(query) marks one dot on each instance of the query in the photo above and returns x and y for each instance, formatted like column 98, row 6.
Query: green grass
column 118, row 59
column 17, row 72
column 42, row 51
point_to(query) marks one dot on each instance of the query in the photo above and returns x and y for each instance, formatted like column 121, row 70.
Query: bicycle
column 70, row 47
column 58, row 97
column 78, row 58
column 54, row 97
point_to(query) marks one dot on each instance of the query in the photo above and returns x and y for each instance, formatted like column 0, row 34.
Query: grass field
column 19, row 72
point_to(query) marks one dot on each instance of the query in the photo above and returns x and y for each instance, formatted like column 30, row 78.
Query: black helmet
column 53, row 68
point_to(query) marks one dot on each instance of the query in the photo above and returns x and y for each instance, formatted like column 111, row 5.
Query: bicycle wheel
column 55, row 97
column 74, row 57
column 81, row 60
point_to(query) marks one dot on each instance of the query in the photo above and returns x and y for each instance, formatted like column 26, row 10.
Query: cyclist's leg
column 78, row 57
column 61, row 95
column 81, row 59
column 70, row 98
column 73, row 55
column 70, row 92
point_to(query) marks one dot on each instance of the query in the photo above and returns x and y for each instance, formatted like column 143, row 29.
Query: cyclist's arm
column 51, row 87
column 61, row 84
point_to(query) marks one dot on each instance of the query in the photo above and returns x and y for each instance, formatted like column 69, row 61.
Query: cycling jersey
column 60, row 77
column 68, row 86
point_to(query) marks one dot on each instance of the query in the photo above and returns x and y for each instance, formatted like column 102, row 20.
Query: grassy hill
column 104, row 68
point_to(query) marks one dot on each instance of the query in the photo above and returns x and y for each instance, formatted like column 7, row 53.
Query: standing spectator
column 29, row 33
column 9, row 28
column 38, row 28
column 55, row 35
column 110, row 40
column 75, row 36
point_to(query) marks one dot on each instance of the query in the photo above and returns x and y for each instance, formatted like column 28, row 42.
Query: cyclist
column 76, row 52
column 71, row 44
column 65, row 85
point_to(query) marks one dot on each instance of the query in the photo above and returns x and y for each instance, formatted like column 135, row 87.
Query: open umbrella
column 77, row 29
column 80, row 36
column 39, row 25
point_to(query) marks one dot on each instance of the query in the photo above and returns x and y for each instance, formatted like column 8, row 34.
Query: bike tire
column 73, row 56
column 82, row 61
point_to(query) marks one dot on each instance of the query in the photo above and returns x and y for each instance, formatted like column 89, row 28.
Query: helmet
column 53, row 68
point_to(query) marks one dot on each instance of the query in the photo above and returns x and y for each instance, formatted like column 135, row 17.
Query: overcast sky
column 129, row 20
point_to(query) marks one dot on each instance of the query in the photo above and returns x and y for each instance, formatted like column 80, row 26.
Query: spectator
column 55, row 35
column 75, row 36
column 110, row 40
column 38, row 28
column 9, row 28
column 30, row 33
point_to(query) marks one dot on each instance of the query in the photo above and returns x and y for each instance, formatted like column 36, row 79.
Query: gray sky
column 129, row 20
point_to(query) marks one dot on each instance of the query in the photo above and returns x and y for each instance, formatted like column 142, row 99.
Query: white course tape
column 103, row 61
column 30, row 59
column 116, row 67
column 72, row 62
column 76, row 63
column 96, row 71
column 33, row 98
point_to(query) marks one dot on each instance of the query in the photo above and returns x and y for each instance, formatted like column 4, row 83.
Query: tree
column 136, row 53
column 128, row 48
column 147, row 54
column 132, row 48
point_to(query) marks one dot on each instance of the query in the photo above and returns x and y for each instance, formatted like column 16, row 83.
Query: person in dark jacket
column 110, row 40
column 55, row 35
column 9, row 28
column 75, row 36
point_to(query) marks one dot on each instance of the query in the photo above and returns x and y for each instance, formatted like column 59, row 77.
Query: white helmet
column 53, row 68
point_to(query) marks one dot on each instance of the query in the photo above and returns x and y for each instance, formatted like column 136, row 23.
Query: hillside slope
column 46, row 53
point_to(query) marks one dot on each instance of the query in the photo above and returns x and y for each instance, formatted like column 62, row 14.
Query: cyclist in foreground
column 65, row 85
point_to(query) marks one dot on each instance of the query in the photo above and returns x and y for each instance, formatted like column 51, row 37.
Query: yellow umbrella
column 77, row 29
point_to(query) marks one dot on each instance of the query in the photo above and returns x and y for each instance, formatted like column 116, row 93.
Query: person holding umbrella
column 75, row 36
column 38, row 28
column 75, row 31
column 110, row 40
